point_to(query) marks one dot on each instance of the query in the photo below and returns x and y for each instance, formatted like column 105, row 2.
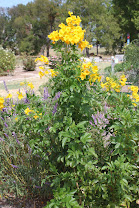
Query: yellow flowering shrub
column 71, row 33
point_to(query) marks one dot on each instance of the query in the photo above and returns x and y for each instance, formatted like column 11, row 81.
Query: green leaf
column 86, row 137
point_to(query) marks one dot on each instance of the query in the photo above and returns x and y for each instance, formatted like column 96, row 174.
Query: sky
column 11, row 3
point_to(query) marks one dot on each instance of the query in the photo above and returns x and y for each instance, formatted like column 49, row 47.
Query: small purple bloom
column 2, row 139
column 14, row 166
column 6, row 135
column 2, row 118
column 5, row 124
column 17, row 141
column 26, row 100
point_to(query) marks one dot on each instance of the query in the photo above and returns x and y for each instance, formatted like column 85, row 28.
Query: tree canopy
column 25, row 28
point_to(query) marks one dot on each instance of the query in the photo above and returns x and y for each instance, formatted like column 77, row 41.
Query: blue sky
column 10, row 3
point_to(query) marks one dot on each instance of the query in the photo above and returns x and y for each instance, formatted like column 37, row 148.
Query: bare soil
column 19, row 75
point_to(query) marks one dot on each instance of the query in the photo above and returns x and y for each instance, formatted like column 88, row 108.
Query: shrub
column 54, row 61
column 85, row 137
column 7, row 61
column 132, row 57
column 29, row 63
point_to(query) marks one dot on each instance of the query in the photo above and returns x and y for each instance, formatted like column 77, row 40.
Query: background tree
column 127, row 13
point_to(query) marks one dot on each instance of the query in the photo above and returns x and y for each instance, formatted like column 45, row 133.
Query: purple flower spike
column 5, row 86
column 5, row 124
column 55, row 108
column 57, row 96
column 2, row 139
column 17, row 141
column 6, row 135
column 45, row 93
column 14, row 166
column 95, row 121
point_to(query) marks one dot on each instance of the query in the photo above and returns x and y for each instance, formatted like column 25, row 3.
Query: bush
column 54, row 61
column 7, row 61
column 86, row 137
column 132, row 57
column 29, row 63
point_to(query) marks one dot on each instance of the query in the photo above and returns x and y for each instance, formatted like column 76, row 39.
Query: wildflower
column 31, row 85
column 14, row 166
column 9, row 95
column 122, row 80
column 1, row 103
column 41, row 74
column 82, row 76
column 43, row 59
column 22, row 83
column 35, row 116
column 20, row 95
column 5, row 86
column 27, row 111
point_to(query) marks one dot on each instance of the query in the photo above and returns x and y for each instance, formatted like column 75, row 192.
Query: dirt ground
column 19, row 75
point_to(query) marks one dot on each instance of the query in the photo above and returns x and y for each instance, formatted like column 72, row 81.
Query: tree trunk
column 48, row 50
column 97, row 49
column 87, row 52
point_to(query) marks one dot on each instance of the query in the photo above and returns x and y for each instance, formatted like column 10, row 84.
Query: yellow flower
column 1, row 106
column 46, row 72
column 94, row 69
column 122, row 80
column 20, row 96
column 31, row 85
column 27, row 111
column 35, row 116
column 22, row 83
column 86, row 72
column 9, row 95
column 134, row 104
column 41, row 74
column 41, row 67
column 43, row 59
column 102, row 84
column 70, row 13
column 134, row 88
column 1, row 100
column 82, row 76
column 16, row 118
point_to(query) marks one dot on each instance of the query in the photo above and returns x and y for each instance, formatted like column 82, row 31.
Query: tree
column 98, row 21
column 127, row 13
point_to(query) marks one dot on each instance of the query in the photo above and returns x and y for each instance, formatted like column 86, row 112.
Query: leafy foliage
column 86, row 138
column 7, row 61
column 29, row 63
column 132, row 57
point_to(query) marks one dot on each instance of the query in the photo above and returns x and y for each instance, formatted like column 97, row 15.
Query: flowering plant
column 84, row 131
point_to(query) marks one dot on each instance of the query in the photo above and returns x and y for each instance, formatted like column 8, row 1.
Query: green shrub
column 7, row 61
column 86, row 139
column 132, row 57
column 29, row 63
